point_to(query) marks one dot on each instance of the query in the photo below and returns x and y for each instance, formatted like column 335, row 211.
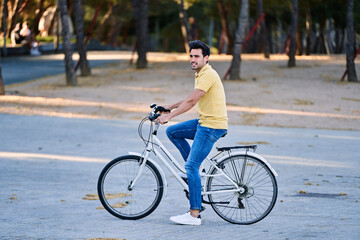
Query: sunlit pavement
column 48, row 164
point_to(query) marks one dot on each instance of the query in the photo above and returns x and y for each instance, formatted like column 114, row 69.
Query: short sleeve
column 204, row 83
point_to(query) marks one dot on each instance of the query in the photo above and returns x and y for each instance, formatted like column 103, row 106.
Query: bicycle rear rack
column 228, row 149
column 247, row 147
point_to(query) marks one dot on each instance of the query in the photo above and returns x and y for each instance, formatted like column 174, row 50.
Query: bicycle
column 240, row 185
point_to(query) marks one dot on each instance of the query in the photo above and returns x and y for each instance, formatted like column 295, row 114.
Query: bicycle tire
column 136, row 203
column 258, row 195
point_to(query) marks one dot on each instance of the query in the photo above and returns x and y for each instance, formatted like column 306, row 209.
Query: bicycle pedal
column 202, row 208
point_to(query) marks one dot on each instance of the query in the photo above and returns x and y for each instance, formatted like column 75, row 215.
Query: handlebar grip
column 152, row 117
column 162, row 109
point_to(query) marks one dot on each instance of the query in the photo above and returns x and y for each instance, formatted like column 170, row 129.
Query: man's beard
column 194, row 67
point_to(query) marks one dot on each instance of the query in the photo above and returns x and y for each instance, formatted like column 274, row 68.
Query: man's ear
column 206, row 58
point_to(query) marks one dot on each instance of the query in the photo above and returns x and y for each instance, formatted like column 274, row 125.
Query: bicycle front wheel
column 126, row 202
column 257, row 195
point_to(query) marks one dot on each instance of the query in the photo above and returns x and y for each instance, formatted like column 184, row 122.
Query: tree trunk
column 2, row 88
column 229, row 39
column 141, row 23
column 292, row 51
column 15, row 15
column 239, row 40
column 4, row 25
column 337, row 41
column 342, row 41
column 57, row 19
column 115, row 25
column 321, row 43
column 69, row 66
column 263, row 31
column 2, row 10
column 103, row 22
column 308, row 30
column 350, row 54
column 35, row 28
column 269, row 35
column 80, row 42
column 184, row 25
column 299, row 43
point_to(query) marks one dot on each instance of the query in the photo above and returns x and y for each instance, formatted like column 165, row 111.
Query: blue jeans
column 204, row 139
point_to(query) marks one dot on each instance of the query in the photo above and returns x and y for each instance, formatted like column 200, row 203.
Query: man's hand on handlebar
column 163, row 119
column 160, row 114
column 162, row 109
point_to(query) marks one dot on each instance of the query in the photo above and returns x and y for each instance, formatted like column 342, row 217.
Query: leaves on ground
column 92, row 196
column 116, row 205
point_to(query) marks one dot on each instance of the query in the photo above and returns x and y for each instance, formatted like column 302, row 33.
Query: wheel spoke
column 139, row 201
column 259, row 190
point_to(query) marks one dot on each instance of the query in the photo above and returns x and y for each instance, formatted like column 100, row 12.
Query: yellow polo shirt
column 211, row 106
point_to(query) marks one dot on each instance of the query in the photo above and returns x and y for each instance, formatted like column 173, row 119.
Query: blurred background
column 321, row 24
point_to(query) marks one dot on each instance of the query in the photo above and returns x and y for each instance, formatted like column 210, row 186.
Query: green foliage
column 45, row 39
column 164, row 16
column 8, row 41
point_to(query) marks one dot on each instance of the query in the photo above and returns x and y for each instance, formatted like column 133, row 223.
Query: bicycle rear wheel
column 258, row 190
column 122, row 201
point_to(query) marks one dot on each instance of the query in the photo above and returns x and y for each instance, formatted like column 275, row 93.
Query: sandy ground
column 269, row 94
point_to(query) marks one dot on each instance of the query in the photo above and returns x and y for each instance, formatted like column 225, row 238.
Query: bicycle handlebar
column 154, row 112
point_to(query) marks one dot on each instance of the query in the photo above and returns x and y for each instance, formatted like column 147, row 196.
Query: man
column 209, row 98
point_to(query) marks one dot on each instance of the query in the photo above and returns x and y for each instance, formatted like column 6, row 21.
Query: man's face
column 197, row 60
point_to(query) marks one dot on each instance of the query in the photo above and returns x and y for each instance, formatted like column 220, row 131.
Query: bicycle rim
column 258, row 190
column 125, row 203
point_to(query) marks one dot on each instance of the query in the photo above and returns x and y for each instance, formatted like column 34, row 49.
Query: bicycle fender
column 252, row 154
column 158, row 167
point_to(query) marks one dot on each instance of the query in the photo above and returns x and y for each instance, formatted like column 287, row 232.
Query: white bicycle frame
column 155, row 141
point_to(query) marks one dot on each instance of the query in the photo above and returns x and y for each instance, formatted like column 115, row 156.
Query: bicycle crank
column 204, row 201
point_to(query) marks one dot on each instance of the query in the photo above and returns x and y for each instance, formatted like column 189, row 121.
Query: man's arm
column 184, row 106
column 173, row 106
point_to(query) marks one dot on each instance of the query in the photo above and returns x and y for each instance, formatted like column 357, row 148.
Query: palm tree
column 239, row 40
column 350, row 65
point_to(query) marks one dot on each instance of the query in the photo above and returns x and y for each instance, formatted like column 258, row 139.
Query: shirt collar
column 206, row 67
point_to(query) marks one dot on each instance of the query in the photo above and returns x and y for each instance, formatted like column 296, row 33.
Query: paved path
column 47, row 165
column 17, row 69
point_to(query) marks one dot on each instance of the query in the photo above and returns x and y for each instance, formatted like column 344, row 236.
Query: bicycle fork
column 142, row 163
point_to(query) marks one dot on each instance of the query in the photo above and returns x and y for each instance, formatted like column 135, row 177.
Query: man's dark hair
column 197, row 44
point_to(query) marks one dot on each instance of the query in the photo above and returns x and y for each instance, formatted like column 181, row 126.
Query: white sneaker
column 186, row 219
